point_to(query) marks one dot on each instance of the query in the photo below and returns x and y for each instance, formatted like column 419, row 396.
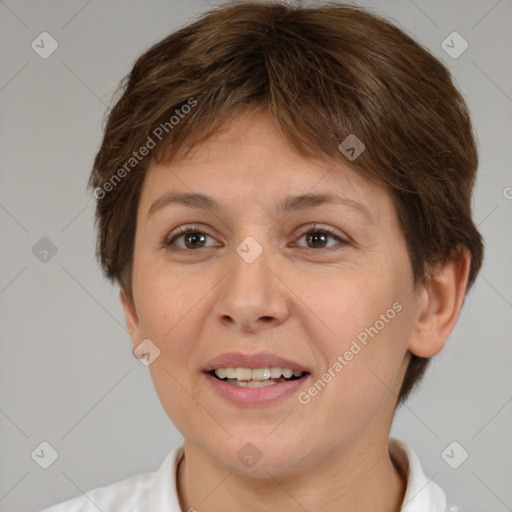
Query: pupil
column 314, row 238
column 192, row 237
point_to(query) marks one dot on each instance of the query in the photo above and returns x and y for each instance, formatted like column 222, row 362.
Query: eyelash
column 168, row 243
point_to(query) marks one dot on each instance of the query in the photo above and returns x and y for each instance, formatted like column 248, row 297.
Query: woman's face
column 259, row 279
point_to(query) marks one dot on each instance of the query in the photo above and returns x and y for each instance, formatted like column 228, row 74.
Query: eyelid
column 319, row 227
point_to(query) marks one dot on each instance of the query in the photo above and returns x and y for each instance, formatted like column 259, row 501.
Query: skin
column 297, row 300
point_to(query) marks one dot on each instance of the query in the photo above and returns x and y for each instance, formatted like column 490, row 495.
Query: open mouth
column 256, row 378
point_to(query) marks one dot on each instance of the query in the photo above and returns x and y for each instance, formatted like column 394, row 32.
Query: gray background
column 68, row 376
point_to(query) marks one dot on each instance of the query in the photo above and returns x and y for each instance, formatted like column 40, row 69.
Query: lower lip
column 255, row 396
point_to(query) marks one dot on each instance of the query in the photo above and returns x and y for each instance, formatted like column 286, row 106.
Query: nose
column 252, row 296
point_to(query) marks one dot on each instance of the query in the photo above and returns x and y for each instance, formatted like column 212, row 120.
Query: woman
column 284, row 197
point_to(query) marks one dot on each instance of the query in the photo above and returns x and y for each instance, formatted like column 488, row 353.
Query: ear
column 131, row 318
column 440, row 303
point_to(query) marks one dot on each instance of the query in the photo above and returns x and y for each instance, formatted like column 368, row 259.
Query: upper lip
column 262, row 360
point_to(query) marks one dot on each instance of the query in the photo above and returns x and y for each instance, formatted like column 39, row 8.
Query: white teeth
column 243, row 373
column 230, row 373
column 275, row 372
column 221, row 373
column 247, row 375
column 252, row 383
column 260, row 374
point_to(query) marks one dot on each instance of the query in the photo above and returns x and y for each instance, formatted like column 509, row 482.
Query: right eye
column 192, row 237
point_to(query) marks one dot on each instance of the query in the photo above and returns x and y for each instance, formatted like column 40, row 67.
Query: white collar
column 422, row 494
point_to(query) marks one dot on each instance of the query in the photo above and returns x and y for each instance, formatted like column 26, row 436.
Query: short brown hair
column 322, row 73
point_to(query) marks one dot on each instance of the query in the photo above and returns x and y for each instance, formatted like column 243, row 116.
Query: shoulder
column 141, row 492
column 116, row 497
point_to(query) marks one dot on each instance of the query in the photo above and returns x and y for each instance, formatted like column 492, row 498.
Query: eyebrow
column 295, row 203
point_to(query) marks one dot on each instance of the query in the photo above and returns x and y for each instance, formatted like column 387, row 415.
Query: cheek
column 368, row 333
column 166, row 296
column 362, row 373
column 170, row 315
column 356, row 305
column 178, row 400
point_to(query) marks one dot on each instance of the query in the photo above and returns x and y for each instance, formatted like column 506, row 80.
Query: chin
column 258, row 455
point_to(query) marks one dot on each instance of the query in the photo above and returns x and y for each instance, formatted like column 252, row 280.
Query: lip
column 267, row 395
column 254, row 361
column 254, row 396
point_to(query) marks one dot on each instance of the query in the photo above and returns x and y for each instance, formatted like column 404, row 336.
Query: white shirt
column 157, row 492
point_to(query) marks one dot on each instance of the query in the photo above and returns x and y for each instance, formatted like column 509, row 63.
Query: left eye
column 318, row 237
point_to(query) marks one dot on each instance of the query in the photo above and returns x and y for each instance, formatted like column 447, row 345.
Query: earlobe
column 131, row 318
column 440, row 304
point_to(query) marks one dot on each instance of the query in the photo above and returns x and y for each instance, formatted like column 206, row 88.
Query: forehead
column 249, row 161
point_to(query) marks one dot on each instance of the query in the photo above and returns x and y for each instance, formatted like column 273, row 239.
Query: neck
column 359, row 477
